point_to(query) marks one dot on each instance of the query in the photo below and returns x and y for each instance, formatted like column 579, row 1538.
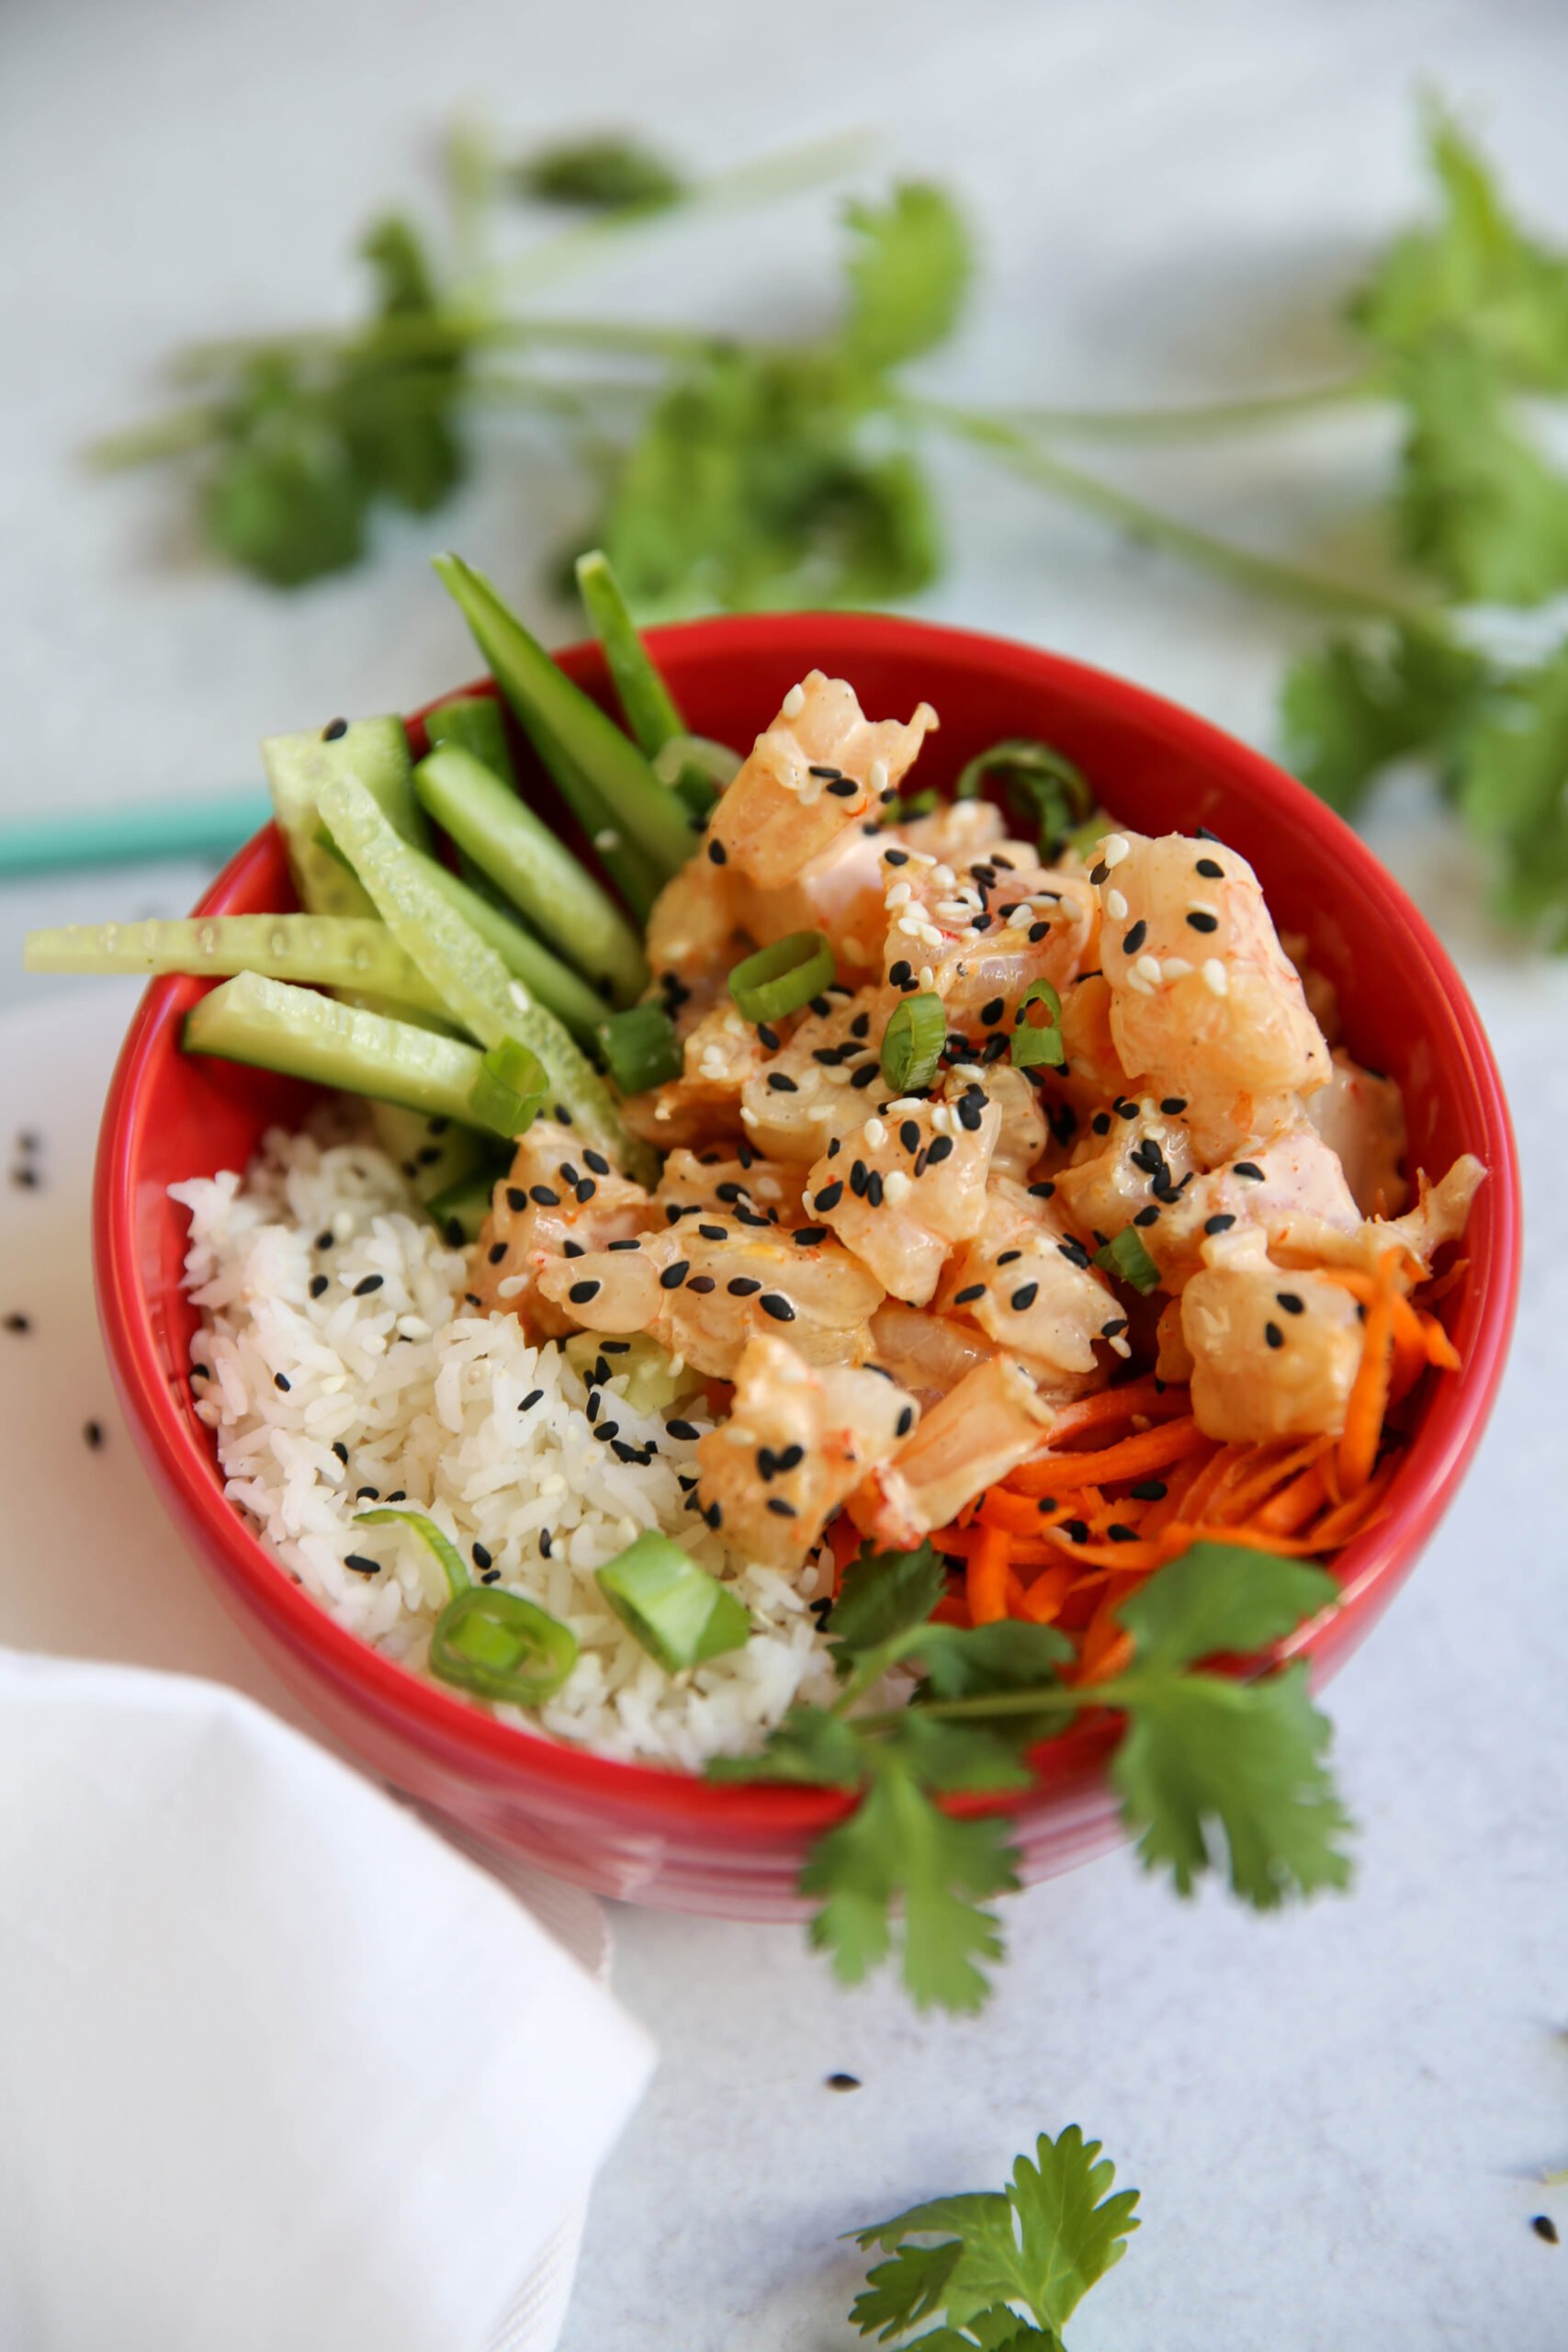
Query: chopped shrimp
column 557, row 1197
column 820, row 767
column 1361, row 1116
column 813, row 1088
column 1440, row 1216
column 1204, row 997
column 903, row 1188
column 703, row 1288
column 1021, row 1134
column 980, row 938
column 1127, row 1170
column 993, row 1421
column 1092, row 1071
column 800, row 1438
column 721, row 1054
column 693, row 941
column 926, row 1354
column 742, row 1187
column 1173, row 1357
column 1274, row 1352
column 1028, row 1285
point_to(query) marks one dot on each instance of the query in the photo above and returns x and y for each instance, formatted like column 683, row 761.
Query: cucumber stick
column 322, row 951
column 544, row 976
column 559, row 718
column 507, row 841
column 461, row 1209
column 474, row 723
column 436, row 1155
column 304, row 1034
column 298, row 766
column 652, row 713
column 471, row 979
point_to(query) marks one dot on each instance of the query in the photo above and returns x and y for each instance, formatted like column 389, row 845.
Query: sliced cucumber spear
column 296, row 766
column 683, row 761
column 275, row 1027
column 321, row 951
column 474, row 724
column 471, row 979
column 507, row 841
column 560, row 719
column 543, row 975
column 436, row 1156
column 461, row 1208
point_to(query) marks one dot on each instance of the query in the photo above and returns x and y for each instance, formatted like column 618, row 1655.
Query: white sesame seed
column 1135, row 981
column 607, row 838
column 895, row 1187
column 899, row 896
column 927, row 976
column 912, row 927
column 749, row 1118
column 1116, row 906
column 1120, row 1347
column 967, row 1069
column 507, row 1289
column 1203, row 907
column 1214, row 977
column 1177, row 968
column 876, row 776
column 793, row 702
column 1114, row 848
column 875, row 1134
column 1147, row 967
column 944, row 876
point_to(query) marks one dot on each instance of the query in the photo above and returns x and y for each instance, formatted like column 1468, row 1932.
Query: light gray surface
column 1338, row 2118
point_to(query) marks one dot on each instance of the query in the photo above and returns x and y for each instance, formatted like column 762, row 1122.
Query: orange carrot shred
column 1133, row 1457
column 987, row 1579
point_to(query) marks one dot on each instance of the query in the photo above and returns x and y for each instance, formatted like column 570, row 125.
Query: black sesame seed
column 400, row 1497
column 900, row 972
column 995, row 1048
column 991, row 1013
column 1100, row 1122
column 828, row 1196
column 1211, row 869
column 546, row 1542
column 780, row 1508
column 1201, row 921
column 779, row 1307
column 1218, row 1223
column 1173, row 1105
column 575, row 1249
column 341, row 1451
column 896, row 856
column 971, row 1109
column 1545, row 2227
column 1149, row 1490
column 743, row 1286
column 1009, row 1257
column 873, row 1188
column 713, row 1233
column 1118, row 1533
column 281, row 1380
column 334, row 729
column 324, row 1240
column 1292, row 1303
column 1076, row 1529
column 1248, row 1168
column 580, row 1292
column 1123, row 1109
column 1273, row 1334
column 1037, row 931
column 909, row 1134
column 1149, row 1215
column 585, row 1190
column 1073, row 1251
column 864, row 1076
column 1024, row 1297
column 906, row 1421
column 702, row 1282
column 939, row 1149
column 781, row 1084
column 971, row 1292
column 843, row 787
column 860, row 1177
column 1134, row 938
column 672, row 1276
column 92, row 1435
column 497, row 1251
column 1114, row 1329
column 367, row 1284
column 491, row 1576
column 627, row 1241
column 367, row 1494
column 807, row 1236
column 1100, row 874
column 717, row 853
column 452, row 1233
column 360, row 1565
column 1203, row 833
column 1043, row 1192
column 481, row 1556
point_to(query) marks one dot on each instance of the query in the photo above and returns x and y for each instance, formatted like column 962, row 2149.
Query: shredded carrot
column 1160, row 1513
column 987, row 1579
column 1364, row 1413
column 1441, row 1349
column 1042, row 1600
column 1280, row 1463
column 1017, row 1514
column 1135, row 1457
column 1157, row 1400
column 1294, row 1505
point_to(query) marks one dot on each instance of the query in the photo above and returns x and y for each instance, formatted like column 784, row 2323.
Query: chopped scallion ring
column 496, row 1644
column 782, row 977
column 1035, row 1046
column 640, row 1048
column 912, row 1043
column 510, row 1089
column 679, row 1613
column 1126, row 1256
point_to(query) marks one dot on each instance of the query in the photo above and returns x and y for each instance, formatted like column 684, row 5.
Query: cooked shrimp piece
column 1322, row 996
column 1361, row 1116
column 993, row 1421
column 1204, row 1000
column 813, row 1088
column 926, row 1354
column 1440, row 1216
column 979, row 938
column 705, row 1287
column 907, row 1185
column 743, row 1187
column 800, row 1438
column 820, row 767
column 693, row 941
column 1173, row 1357
column 1026, row 1284
column 1129, row 1168
column 557, row 1198
column 1274, row 1352
column 1092, row 1071
column 1021, row 1135
column 721, row 1053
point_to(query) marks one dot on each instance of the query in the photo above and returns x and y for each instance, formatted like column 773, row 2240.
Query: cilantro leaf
column 605, row 174
column 1221, row 1597
column 909, row 270
column 1510, row 792
column 1477, row 505
column 898, row 1845
column 882, row 1596
column 1044, row 2242
column 1474, row 270
column 285, row 498
column 397, row 414
column 1357, row 704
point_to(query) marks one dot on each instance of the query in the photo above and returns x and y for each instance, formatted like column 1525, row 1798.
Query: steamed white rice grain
column 461, row 1416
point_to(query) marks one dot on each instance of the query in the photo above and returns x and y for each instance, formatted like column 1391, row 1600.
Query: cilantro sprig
column 1212, row 1771
column 1004, row 2270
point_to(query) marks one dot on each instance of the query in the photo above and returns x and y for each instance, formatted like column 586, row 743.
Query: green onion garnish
column 1038, row 783
column 912, row 1043
column 1034, row 1045
column 679, row 1613
column 510, row 1089
column 781, row 979
column 1126, row 1256
column 640, row 1048
column 494, row 1644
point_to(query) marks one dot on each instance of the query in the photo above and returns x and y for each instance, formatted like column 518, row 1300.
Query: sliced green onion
column 511, row 1088
column 1039, row 784
column 696, row 768
column 1034, row 1046
column 912, row 1043
column 496, row 1644
column 679, row 1613
column 1126, row 1256
column 640, row 1048
column 781, row 979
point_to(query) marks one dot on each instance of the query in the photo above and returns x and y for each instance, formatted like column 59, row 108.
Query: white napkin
column 277, row 2067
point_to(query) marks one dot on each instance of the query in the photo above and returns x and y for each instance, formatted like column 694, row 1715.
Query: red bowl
column 656, row 1836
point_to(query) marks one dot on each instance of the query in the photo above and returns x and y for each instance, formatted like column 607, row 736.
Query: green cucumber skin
column 569, row 997
column 298, row 766
column 649, row 707
column 505, row 839
column 467, row 1202
column 554, row 712
column 473, row 723
column 410, row 1139
column 317, row 951
column 272, row 1025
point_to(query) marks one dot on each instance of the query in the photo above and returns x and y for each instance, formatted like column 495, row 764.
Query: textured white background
column 1338, row 2117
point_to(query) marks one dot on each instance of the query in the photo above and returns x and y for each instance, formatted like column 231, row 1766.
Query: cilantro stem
column 442, row 335
column 1022, row 454
column 169, row 435
column 1198, row 419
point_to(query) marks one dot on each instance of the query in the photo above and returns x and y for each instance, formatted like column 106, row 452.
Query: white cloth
column 277, row 2066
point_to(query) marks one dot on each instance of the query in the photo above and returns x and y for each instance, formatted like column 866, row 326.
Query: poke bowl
column 657, row 1832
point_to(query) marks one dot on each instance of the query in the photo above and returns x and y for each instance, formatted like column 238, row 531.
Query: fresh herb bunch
column 751, row 473
column 1209, row 1766
column 980, row 2261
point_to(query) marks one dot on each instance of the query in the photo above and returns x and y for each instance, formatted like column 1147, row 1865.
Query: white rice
column 425, row 1397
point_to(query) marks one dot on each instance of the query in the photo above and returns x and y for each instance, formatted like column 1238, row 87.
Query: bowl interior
column 1158, row 769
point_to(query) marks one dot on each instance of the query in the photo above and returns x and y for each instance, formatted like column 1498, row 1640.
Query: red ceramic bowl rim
column 446, row 1722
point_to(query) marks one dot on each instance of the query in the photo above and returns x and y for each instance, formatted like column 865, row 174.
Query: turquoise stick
column 193, row 828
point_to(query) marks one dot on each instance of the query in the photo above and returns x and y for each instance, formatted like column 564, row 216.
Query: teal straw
column 193, row 828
